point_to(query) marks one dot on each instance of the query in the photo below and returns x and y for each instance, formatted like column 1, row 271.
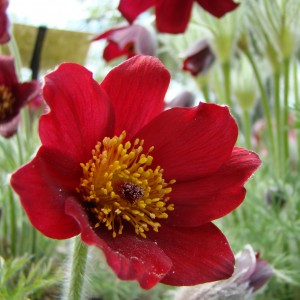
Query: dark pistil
column 130, row 191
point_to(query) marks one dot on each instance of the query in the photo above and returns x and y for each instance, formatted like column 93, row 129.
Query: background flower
column 172, row 16
column 13, row 96
column 198, row 58
column 128, row 41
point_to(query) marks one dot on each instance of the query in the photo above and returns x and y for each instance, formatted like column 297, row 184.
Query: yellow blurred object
column 59, row 46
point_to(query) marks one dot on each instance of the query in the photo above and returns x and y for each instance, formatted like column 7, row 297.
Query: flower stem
column 205, row 92
column 13, row 222
column 264, row 101
column 278, row 116
column 297, row 106
column 247, row 129
column 226, row 78
column 75, row 278
column 20, row 149
column 286, row 69
column 14, row 51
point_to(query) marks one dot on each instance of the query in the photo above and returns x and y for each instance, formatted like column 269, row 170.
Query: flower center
column 119, row 186
column 7, row 101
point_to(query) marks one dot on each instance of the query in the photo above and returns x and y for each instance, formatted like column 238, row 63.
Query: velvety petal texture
column 80, row 112
column 89, row 178
column 198, row 255
column 196, row 142
column 219, row 193
column 41, row 184
column 137, row 90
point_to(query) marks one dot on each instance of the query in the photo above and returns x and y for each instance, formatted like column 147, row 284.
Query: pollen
column 7, row 101
column 120, row 188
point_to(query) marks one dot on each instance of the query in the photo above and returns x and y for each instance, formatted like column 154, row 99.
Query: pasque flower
column 172, row 16
column 198, row 58
column 13, row 96
column 140, row 183
column 4, row 22
column 128, row 41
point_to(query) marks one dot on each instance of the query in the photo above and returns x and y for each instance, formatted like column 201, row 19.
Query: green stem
column 264, row 101
column 218, row 88
column 227, row 82
column 247, row 129
column 12, row 224
column 75, row 278
column 20, row 150
column 286, row 73
column 14, row 50
column 278, row 116
column 297, row 105
column 205, row 92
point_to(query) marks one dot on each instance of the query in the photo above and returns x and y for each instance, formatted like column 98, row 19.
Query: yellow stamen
column 7, row 101
column 119, row 185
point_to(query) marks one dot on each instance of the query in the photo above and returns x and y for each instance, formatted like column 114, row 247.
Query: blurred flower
column 244, row 85
column 140, row 183
column 172, row 16
column 198, row 58
column 129, row 41
column 183, row 99
column 4, row 22
column 250, row 274
column 13, row 96
column 36, row 102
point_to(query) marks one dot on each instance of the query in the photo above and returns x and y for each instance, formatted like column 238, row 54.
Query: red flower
column 4, row 23
column 13, row 96
column 128, row 40
column 107, row 168
column 198, row 58
column 172, row 16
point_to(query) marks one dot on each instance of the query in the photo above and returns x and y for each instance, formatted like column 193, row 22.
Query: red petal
column 113, row 51
column 81, row 113
column 26, row 91
column 172, row 16
column 129, row 256
column 9, row 128
column 198, row 58
column 4, row 27
column 199, row 255
column 130, row 9
column 209, row 198
column 8, row 76
column 128, row 40
column 43, row 190
column 137, row 89
column 191, row 142
column 218, row 8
